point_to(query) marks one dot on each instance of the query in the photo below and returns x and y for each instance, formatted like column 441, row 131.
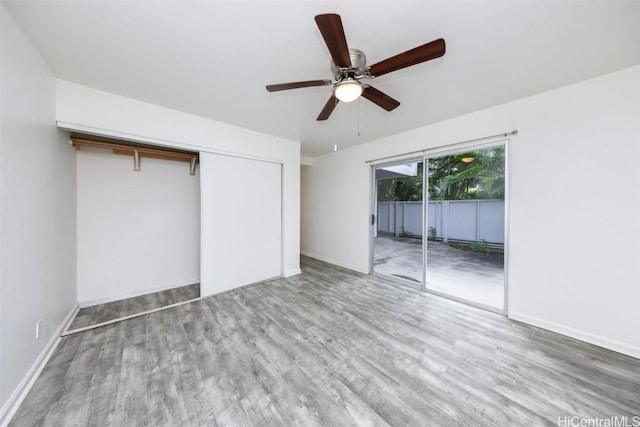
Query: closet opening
column 138, row 228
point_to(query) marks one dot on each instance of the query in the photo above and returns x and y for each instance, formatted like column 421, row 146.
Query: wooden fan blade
column 426, row 52
column 379, row 98
column 330, row 26
column 297, row 85
column 328, row 108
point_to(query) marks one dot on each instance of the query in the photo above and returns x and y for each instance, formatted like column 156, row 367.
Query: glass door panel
column 465, row 226
column 397, row 243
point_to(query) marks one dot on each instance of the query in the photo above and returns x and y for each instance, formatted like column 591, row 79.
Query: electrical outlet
column 38, row 329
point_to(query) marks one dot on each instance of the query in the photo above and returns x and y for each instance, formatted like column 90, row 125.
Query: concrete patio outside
column 472, row 276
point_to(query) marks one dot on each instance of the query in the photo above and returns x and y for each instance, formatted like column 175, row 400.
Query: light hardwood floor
column 93, row 315
column 328, row 347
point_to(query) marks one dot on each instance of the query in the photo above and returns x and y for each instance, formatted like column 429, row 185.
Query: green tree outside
column 476, row 174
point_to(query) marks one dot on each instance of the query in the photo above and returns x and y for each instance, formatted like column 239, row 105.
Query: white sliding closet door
column 241, row 222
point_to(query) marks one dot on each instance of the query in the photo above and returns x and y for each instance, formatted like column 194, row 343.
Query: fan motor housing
column 358, row 63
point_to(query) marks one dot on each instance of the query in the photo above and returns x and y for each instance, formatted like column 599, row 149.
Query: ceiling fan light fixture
column 348, row 90
column 349, row 66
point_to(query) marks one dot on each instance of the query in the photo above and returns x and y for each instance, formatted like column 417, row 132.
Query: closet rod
column 513, row 132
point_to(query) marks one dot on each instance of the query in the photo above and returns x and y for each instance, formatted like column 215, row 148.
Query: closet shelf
column 141, row 151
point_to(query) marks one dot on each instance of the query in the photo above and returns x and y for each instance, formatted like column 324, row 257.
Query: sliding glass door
column 439, row 223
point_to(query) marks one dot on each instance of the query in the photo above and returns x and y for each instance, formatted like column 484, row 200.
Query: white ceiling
column 213, row 58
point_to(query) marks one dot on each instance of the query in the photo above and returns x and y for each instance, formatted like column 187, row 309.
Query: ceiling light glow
column 348, row 90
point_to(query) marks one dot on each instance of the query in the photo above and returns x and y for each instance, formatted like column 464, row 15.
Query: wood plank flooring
column 93, row 315
column 328, row 347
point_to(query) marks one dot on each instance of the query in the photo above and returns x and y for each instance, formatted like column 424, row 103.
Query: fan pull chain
column 335, row 134
column 358, row 120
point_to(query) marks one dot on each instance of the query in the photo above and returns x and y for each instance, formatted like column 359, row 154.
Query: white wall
column 138, row 232
column 574, row 263
column 91, row 110
column 37, row 211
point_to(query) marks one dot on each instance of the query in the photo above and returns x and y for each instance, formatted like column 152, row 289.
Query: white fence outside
column 468, row 220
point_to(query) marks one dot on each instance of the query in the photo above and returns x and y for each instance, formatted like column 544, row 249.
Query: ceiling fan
column 349, row 67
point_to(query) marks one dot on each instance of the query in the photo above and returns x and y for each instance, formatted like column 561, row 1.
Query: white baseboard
column 600, row 341
column 292, row 272
column 112, row 298
column 333, row 261
column 17, row 397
